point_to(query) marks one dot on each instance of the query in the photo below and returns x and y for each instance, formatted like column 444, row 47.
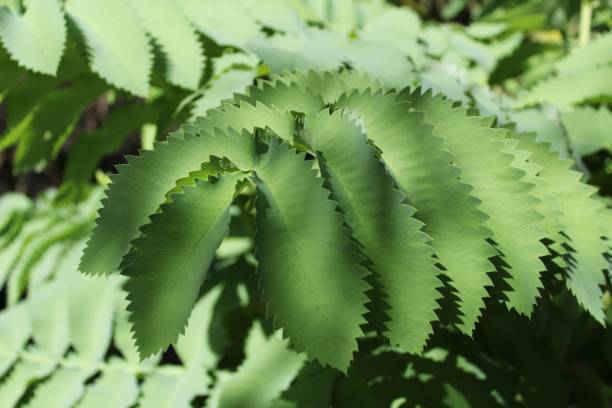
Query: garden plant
column 305, row 203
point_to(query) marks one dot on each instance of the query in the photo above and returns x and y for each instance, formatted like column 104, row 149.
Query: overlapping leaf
column 423, row 171
column 166, row 265
column 310, row 272
column 382, row 223
column 504, row 194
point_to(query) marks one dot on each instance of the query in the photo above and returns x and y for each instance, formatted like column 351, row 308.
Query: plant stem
column 586, row 12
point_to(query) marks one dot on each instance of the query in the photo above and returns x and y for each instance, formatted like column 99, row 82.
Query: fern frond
column 116, row 387
column 54, row 344
column 169, row 387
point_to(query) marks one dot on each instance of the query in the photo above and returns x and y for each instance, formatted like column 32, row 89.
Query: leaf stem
column 586, row 13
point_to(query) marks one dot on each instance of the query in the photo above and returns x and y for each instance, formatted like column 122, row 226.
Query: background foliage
column 80, row 87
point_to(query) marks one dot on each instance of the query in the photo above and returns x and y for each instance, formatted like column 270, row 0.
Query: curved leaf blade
column 309, row 266
column 167, row 264
column 383, row 224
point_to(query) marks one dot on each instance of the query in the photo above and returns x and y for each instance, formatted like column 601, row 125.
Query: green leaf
column 119, row 49
column 22, row 375
column 166, row 265
column 194, row 347
column 305, row 258
column 581, row 220
column 313, row 387
column 502, row 189
column 55, row 229
column 247, row 116
column 23, row 103
column 382, row 223
column 92, row 308
column 588, row 84
column 394, row 25
column 10, row 72
column 63, row 389
column 35, row 39
column 171, row 386
column 422, row 168
column 12, row 204
column 123, row 338
column 48, row 310
column 547, row 128
column 382, row 62
column 12, row 254
column 597, row 52
column 15, row 331
column 225, row 23
column 169, row 27
column 328, row 85
column 283, row 96
column 223, row 87
column 315, row 49
column 589, row 129
column 116, row 387
column 141, row 186
column 267, row 370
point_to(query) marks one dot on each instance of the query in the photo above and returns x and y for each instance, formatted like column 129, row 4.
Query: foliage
column 413, row 204
column 65, row 339
column 303, row 249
